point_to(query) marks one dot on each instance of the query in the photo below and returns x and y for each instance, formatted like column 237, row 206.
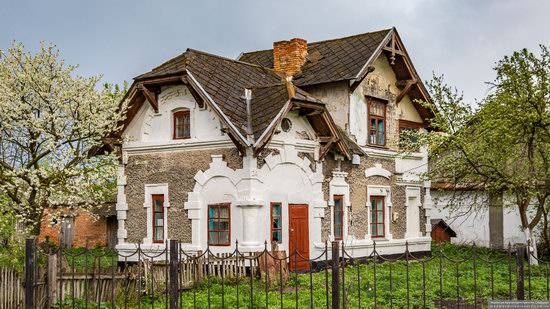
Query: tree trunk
column 532, row 248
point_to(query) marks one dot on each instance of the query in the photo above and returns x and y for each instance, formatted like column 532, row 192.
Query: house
column 295, row 145
column 488, row 220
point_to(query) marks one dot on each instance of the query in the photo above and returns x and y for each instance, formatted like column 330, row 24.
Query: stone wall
column 178, row 170
column 358, row 194
column 399, row 227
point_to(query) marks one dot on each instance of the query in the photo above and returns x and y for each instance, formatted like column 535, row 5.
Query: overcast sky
column 121, row 39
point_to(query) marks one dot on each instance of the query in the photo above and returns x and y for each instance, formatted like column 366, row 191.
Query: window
column 158, row 218
column 276, row 223
column 377, row 216
column 182, row 125
column 219, row 225
column 338, row 213
column 67, row 231
column 377, row 122
column 286, row 124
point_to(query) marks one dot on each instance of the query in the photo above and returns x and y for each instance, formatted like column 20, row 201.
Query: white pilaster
column 121, row 204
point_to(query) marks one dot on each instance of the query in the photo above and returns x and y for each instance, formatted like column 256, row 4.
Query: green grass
column 97, row 257
column 491, row 282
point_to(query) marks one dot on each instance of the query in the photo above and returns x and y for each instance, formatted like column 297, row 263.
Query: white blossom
column 51, row 120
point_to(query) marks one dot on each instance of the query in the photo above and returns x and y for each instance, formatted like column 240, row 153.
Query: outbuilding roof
column 441, row 223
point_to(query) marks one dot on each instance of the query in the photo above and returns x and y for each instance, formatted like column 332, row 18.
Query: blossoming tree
column 501, row 148
column 52, row 123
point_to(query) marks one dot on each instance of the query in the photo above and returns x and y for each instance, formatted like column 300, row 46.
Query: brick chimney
column 289, row 56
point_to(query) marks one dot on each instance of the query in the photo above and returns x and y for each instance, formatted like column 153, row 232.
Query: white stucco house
column 295, row 145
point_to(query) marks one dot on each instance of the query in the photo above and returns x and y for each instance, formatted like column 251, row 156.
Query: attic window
column 377, row 122
column 181, row 123
column 286, row 125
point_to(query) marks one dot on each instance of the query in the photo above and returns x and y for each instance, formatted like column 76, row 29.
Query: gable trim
column 268, row 132
column 364, row 71
column 194, row 83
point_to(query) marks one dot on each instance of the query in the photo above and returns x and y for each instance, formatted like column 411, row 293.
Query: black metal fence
column 451, row 277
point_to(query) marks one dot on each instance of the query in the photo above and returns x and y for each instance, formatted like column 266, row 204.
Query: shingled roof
column 224, row 80
column 328, row 61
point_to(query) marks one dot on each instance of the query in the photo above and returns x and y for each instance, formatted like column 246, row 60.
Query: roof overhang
column 148, row 89
column 329, row 136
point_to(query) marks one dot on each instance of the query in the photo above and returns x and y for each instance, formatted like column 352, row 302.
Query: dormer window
column 181, row 123
column 377, row 122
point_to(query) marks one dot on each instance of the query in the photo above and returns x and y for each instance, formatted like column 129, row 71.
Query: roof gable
column 222, row 82
column 330, row 60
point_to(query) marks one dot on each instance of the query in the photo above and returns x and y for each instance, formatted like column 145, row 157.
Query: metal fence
column 174, row 278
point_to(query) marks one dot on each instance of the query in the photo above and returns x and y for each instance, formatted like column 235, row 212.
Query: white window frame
column 150, row 190
column 384, row 191
column 339, row 186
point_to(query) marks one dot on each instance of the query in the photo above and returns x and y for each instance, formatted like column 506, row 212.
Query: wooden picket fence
column 11, row 288
column 104, row 284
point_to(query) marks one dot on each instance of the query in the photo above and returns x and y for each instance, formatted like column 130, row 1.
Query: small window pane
column 224, row 212
column 158, row 205
column 276, row 236
column 224, row 225
column 214, row 238
column 179, row 131
column 159, row 233
column 380, row 229
column 224, row 238
column 215, row 226
column 277, row 209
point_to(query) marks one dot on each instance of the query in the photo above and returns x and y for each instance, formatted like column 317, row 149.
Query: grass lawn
column 457, row 279
column 359, row 283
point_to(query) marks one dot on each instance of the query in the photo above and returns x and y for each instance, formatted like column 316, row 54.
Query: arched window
column 181, row 124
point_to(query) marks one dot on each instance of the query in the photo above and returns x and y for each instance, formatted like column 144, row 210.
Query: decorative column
column 121, row 204
column 428, row 206
column 250, row 202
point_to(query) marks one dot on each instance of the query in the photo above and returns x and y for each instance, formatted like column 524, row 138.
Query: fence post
column 30, row 252
column 51, row 277
column 520, row 254
column 174, row 253
column 335, row 275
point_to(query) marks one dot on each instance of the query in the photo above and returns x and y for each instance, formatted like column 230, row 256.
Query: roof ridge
column 165, row 62
column 322, row 41
column 230, row 59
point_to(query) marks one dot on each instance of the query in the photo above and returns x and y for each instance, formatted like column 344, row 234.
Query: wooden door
column 298, row 236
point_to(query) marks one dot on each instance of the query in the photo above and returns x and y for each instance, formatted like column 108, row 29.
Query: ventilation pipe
column 248, row 99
